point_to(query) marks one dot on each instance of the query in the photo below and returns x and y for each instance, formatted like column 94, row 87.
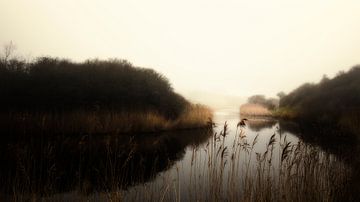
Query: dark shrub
column 327, row 101
column 57, row 84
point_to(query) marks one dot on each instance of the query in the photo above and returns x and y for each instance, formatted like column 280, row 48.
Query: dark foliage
column 56, row 84
column 270, row 103
column 327, row 101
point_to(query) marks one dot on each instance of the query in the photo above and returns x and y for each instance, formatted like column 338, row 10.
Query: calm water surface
column 97, row 166
column 183, row 171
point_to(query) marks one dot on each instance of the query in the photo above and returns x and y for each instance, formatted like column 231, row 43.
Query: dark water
column 93, row 166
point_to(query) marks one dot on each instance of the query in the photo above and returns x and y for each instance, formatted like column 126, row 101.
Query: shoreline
column 85, row 122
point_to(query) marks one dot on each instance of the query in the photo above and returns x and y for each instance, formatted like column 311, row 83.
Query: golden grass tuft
column 195, row 116
column 99, row 122
column 254, row 110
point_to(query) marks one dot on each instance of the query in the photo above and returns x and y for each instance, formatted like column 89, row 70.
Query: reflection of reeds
column 285, row 171
column 293, row 172
column 95, row 122
column 257, row 124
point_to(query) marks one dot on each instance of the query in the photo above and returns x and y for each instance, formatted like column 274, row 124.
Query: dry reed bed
column 254, row 110
column 286, row 171
column 99, row 122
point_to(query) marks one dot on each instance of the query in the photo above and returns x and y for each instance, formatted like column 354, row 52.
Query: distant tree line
column 58, row 84
column 328, row 101
column 269, row 103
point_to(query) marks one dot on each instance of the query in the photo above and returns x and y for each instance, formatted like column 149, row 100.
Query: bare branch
column 8, row 51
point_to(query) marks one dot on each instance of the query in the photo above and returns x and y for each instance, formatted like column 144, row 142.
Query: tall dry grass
column 292, row 172
column 195, row 116
column 285, row 171
column 254, row 110
column 100, row 122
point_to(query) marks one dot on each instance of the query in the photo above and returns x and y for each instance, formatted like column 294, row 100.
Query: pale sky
column 228, row 47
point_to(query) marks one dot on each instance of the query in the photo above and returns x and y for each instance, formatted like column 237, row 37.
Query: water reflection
column 257, row 125
column 329, row 139
column 98, row 164
column 336, row 142
column 91, row 163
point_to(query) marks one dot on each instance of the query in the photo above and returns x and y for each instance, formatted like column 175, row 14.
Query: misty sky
column 230, row 47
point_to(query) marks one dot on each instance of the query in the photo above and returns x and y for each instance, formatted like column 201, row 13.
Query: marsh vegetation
column 259, row 106
column 263, row 161
column 106, row 130
column 334, row 102
column 56, row 96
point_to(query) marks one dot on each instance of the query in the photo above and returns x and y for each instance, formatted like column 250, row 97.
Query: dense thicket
column 57, row 84
column 270, row 103
column 327, row 101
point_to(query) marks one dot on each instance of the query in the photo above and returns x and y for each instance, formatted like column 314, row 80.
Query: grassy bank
column 257, row 110
column 284, row 113
column 254, row 110
column 79, row 122
column 51, row 95
column 348, row 123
